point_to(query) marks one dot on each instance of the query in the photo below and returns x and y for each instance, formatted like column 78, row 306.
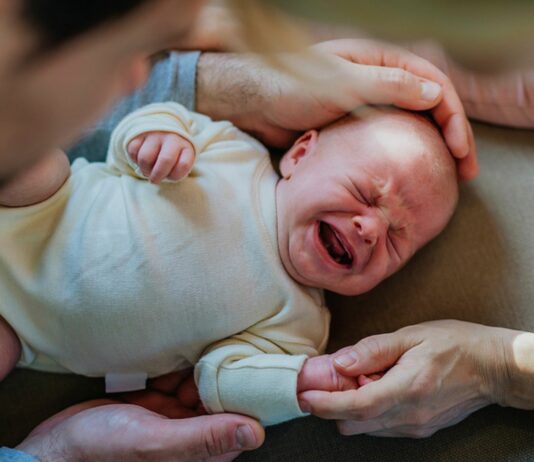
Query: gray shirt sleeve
column 12, row 455
column 172, row 78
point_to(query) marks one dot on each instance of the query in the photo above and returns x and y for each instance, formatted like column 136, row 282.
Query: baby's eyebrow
column 382, row 188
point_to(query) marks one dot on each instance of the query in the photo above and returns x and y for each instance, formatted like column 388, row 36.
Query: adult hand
column 107, row 430
column 437, row 373
column 275, row 107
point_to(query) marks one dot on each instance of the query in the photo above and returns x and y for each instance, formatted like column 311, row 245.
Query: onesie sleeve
column 165, row 117
column 255, row 372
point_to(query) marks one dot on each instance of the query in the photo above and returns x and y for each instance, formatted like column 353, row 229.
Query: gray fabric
column 481, row 269
column 172, row 78
column 10, row 455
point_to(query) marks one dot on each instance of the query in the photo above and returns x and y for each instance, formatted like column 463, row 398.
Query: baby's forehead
column 388, row 140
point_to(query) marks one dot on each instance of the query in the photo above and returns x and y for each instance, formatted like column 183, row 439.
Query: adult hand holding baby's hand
column 437, row 373
column 162, row 155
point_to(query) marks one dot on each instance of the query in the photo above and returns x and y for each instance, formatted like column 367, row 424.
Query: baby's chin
column 349, row 288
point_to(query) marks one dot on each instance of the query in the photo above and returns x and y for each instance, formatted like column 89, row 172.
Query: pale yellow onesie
column 114, row 275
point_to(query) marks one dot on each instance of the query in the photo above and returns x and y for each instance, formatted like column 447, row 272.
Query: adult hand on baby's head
column 359, row 72
column 386, row 74
column 107, row 430
column 162, row 155
column 437, row 373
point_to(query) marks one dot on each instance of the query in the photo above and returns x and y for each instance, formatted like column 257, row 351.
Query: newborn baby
column 110, row 275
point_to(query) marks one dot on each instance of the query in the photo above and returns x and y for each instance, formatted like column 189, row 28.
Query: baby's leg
column 10, row 348
column 37, row 182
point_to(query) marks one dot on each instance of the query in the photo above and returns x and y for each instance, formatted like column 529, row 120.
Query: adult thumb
column 391, row 85
column 372, row 354
column 220, row 437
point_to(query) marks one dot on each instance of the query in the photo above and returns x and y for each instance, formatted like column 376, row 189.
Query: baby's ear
column 302, row 147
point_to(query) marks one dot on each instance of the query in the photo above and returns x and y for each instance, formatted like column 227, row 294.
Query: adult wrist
column 509, row 369
column 518, row 387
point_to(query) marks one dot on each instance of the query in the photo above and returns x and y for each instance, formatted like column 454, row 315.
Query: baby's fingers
column 148, row 154
column 134, row 146
column 169, row 155
column 184, row 164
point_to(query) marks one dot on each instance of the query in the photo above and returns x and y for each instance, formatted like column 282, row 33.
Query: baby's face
column 358, row 199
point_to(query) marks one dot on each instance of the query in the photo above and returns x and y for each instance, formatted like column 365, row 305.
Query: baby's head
column 358, row 199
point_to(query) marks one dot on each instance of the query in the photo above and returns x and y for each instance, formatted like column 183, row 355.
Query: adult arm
column 502, row 98
column 436, row 374
column 275, row 106
column 36, row 182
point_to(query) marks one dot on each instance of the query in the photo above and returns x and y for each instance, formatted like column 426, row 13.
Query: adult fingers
column 212, row 436
column 373, row 354
column 160, row 403
column 468, row 167
column 363, row 404
column 168, row 383
column 388, row 85
column 449, row 113
column 187, row 393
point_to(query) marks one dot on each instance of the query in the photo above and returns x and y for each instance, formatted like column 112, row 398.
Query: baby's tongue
column 333, row 242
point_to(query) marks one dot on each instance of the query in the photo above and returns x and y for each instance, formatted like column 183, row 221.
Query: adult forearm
column 230, row 86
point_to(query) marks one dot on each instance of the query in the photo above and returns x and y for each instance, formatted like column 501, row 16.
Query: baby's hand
column 162, row 155
column 319, row 373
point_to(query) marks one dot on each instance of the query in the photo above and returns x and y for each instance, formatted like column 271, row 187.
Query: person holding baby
column 460, row 143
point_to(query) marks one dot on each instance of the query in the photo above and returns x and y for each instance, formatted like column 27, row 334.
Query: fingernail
column 430, row 90
column 346, row 359
column 304, row 406
column 245, row 437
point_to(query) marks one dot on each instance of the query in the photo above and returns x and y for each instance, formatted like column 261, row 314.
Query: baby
column 221, row 265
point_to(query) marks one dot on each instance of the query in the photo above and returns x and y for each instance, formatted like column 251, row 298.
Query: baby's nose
column 369, row 227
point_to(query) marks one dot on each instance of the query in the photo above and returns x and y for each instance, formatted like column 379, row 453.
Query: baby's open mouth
column 333, row 243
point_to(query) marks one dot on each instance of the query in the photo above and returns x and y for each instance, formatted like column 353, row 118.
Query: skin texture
column 436, row 374
column 277, row 108
column 387, row 187
column 132, row 433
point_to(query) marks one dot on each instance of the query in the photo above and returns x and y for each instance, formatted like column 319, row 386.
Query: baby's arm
column 10, row 348
column 256, row 371
column 37, row 182
column 155, row 142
